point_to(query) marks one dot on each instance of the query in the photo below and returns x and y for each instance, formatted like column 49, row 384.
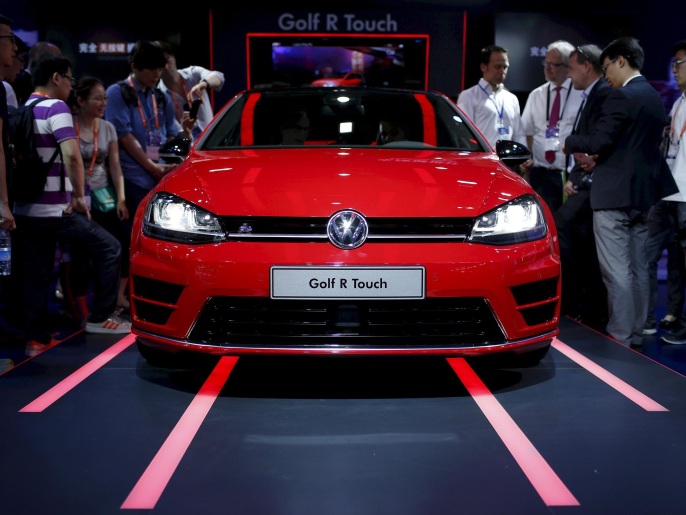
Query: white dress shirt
column 491, row 110
column 536, row 115
column 677, row 131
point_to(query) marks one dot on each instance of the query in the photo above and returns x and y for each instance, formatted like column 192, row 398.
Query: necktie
column 552, row 121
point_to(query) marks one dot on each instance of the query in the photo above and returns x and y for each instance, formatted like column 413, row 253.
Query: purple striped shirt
column 53, row 125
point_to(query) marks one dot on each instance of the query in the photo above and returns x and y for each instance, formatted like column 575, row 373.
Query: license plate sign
column 309, row 282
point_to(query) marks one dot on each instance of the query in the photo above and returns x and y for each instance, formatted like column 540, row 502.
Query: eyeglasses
column 71, row 79
column 606, row 66
column 11, row 37
column 583, row 54
column 677, row 62
column 100, row 100
column 548, row 64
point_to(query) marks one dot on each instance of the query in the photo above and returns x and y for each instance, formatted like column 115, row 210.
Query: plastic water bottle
column 5, row 252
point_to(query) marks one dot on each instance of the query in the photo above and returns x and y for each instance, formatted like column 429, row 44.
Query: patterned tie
column 552, row 122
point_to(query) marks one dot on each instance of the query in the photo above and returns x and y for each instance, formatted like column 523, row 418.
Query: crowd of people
column 606, row 160
column 608, row 163
column 107, row 140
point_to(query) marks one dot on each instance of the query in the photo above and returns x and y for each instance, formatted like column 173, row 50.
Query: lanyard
column 492, row 99
column 96, row 124
column 140, row 108
column 547, row 105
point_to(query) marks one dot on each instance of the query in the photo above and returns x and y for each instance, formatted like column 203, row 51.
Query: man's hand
column 569, row 189
column 6, row 217
column 78, row 205
column 587, row 162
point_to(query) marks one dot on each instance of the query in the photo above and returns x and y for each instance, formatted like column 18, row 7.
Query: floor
column 597, row 428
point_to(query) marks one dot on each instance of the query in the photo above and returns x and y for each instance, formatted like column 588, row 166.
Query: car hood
column 319, row 181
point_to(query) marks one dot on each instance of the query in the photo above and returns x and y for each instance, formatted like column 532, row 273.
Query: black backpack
column 131, row 96
column 28, row 173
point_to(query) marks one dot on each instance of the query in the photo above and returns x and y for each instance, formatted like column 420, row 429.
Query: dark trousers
column 583, row 291
column 547, row 182
column 34, row 244
column 663, row 223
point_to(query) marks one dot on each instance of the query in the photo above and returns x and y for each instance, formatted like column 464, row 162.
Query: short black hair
column 147, row 55
column 4, row 20
column 47, row 66
column 628, row 48
column 679, row 45
column 485, row 55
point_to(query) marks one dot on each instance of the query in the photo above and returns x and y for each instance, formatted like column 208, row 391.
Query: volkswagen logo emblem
column 347, row 229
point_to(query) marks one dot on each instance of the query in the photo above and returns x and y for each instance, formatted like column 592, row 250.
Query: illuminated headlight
column 518, row 221
column 168, row 217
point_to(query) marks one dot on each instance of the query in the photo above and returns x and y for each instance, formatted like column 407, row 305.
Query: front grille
column 155, row 301
column 537, row 301
column 307, row 229
column 435, row 321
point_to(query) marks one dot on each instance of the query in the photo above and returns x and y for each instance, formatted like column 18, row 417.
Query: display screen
column 300, row 59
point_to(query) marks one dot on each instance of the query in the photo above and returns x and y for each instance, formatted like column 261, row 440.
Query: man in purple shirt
column 61, row 214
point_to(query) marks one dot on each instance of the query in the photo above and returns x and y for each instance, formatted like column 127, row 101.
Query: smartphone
column 194, row 108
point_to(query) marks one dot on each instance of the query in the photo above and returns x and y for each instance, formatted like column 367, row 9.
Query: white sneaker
column 113, row 325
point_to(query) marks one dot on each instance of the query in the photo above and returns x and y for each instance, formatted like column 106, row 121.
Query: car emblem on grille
column 347, row 229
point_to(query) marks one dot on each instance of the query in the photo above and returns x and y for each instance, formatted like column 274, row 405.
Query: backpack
column 28, row 172
column 131, row 96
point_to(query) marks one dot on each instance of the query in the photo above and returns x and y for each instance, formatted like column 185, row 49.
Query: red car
column 347, row 79
column 347, row 242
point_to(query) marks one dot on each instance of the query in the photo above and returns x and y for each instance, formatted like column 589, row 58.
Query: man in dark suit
column 630, row 175
column 583, row 292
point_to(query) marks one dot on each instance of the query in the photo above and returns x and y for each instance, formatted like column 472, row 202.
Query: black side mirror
column 512, row 153
column 175, row 150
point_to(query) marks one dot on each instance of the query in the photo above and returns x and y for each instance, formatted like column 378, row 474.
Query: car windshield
column 341, row 116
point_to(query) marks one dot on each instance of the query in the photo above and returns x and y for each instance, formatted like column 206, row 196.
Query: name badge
column 552, row 139
column 153, row 142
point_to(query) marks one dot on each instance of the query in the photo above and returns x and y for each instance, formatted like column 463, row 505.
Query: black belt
column 544, row 169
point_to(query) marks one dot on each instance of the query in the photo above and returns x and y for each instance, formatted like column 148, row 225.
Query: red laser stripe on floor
column 63, row 387
column 542, row 477
column 612, row 380
column 152, row 483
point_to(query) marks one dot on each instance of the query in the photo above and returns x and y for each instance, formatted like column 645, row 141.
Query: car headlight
column 168, row 217
column 518, row 221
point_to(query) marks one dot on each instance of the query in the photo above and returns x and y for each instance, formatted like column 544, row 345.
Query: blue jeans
column 34, row 244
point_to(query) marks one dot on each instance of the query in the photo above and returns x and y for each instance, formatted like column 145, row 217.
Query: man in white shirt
column 547, row 119
column 493, row 109
column 676, row 158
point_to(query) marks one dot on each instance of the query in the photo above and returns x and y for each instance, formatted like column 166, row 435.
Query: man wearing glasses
column 547, row 119
column 629, row 177
column 583, row 292
column 8, row 49
column 61, row 214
